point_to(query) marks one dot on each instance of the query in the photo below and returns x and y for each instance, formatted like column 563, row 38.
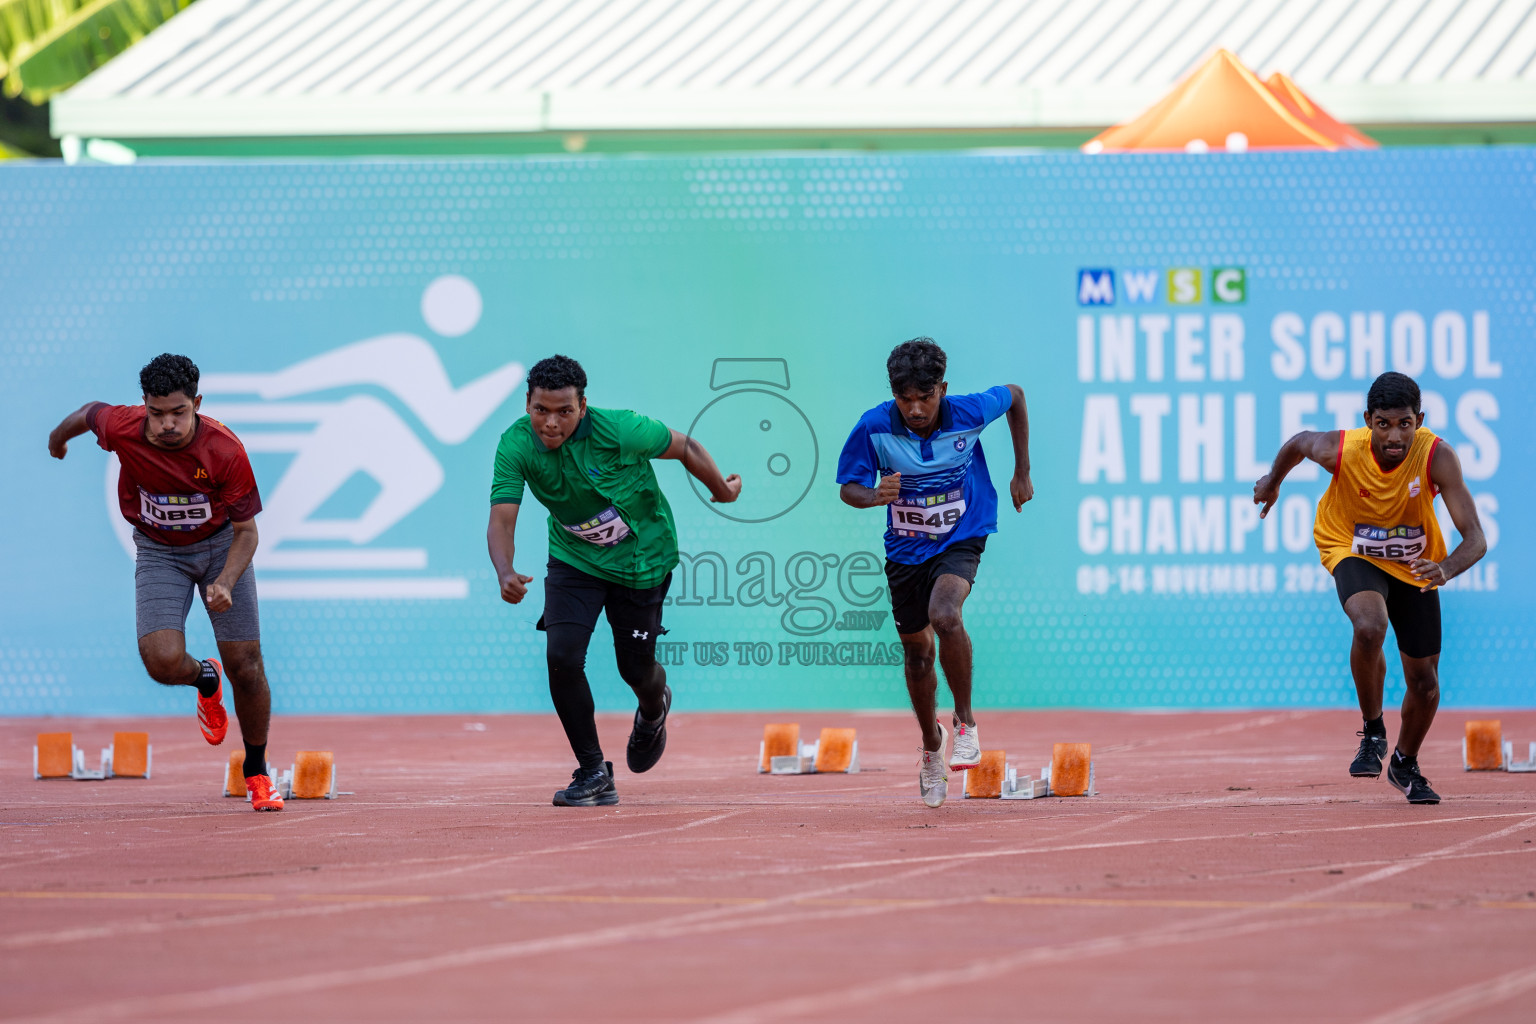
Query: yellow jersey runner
column 1386, row 516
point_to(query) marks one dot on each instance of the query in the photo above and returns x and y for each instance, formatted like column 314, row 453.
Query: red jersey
column 182, row 496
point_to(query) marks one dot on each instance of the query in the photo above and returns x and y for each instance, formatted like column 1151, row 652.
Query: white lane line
column 687, row 924
column 870, row 995
column 1207, row 929
column 1462, row 1001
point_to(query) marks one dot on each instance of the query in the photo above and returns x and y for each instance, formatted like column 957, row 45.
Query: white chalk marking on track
column 1459, row 1002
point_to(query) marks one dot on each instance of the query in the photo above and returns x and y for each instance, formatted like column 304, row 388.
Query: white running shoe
column 932, row 780
column 967, row 750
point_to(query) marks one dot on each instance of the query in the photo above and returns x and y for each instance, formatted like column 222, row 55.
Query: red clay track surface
column 1229, row 870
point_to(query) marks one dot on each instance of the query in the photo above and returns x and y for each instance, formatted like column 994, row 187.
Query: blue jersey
column 946, row 492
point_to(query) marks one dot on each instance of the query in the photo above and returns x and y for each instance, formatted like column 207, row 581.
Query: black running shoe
column 1367, row 762
column 1405, row 778
column 647, row 740
column 590, row 787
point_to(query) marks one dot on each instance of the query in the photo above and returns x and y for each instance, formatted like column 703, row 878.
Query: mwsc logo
column 1178, row 286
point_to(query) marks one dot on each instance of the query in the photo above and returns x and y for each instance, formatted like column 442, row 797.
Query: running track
column 1229, row 870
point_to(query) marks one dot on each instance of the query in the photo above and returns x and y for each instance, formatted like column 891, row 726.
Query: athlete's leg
column 165, row 657
column 247, row 674
column 1415, row 619
column 923, row 684
column 949, row 594
column 1422, row 676
column 163, row 581
column 635, row 617
column 1367, row 611
column 237, row 630
column 572, row 601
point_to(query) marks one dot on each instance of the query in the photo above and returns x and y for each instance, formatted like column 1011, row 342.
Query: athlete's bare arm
column 1020, row 488
column 242, row 548
column 1321, row 446
column 860, row 496
column 1445, row 471
column 71, row 426
column 697, row 461
column 498, row 537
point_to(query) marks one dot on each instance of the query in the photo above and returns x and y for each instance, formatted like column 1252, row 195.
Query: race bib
column 175, row 511
column 605, row 529
column 927, row 515
column 1393, row 543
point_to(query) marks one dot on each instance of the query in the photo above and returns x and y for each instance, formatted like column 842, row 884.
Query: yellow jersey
column 1384, row 516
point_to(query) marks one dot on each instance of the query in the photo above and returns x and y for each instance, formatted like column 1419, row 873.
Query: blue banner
column 366, row 327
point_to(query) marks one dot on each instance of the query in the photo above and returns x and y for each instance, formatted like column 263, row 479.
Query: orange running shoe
column 210, row 710
column 263, row 794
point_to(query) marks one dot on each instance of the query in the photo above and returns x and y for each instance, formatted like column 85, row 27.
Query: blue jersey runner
column 946, row 492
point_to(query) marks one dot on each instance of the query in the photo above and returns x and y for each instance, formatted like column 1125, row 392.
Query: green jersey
column 607, row 515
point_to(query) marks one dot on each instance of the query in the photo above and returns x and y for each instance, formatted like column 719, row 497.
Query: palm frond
column 48, row 45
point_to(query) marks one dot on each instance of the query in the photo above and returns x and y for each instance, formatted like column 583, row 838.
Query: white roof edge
column 187, row 29
column 82, row 113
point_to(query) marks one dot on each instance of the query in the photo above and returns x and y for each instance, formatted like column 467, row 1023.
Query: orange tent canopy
column 1303, row 106
column 1223, row 105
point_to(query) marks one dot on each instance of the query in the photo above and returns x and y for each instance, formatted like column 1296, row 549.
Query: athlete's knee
column 946, row 619
column 918, row 656
column 566, row 652
column 1370, row 631
column 637, row 664
column 246, row 669
column 1423, row 681
column 164, row 657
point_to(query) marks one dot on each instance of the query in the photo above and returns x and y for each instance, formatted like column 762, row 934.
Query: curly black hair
column 166, row 374
column 1392, row 390
column 556, row 374
column 917, row 365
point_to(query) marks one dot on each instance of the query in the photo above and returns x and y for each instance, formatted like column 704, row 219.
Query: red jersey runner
column 176, row 496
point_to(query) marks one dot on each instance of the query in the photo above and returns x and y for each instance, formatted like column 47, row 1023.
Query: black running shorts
column 575, row 598
column 1415, row 615
column 912, row 585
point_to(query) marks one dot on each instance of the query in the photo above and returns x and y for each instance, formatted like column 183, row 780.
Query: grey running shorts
column 165, row 575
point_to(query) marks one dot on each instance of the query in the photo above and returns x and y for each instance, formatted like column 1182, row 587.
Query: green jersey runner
column 612, row 548
column 607, row 515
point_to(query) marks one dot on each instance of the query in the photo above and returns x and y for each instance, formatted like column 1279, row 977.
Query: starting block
column 55, row 756
column 779, row 740
column 1482, row 747
column 782, row 753
column 985, row 781
column 312, row 776
column 130, row 756
column 1070, row 773
column 1511, row 765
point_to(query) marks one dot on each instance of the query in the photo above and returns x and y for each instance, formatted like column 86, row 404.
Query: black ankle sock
column 255, row 759
column 1376, row 727
column 1399, row 759
column 208, row 683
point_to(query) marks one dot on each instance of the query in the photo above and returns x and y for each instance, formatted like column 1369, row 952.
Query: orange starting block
column 55, row 756
column 782, row 753
column 985, row 781
column 130, row 756
column 779, row 740
column 312, row 776
column 1070, row 773
column 1484, row 749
